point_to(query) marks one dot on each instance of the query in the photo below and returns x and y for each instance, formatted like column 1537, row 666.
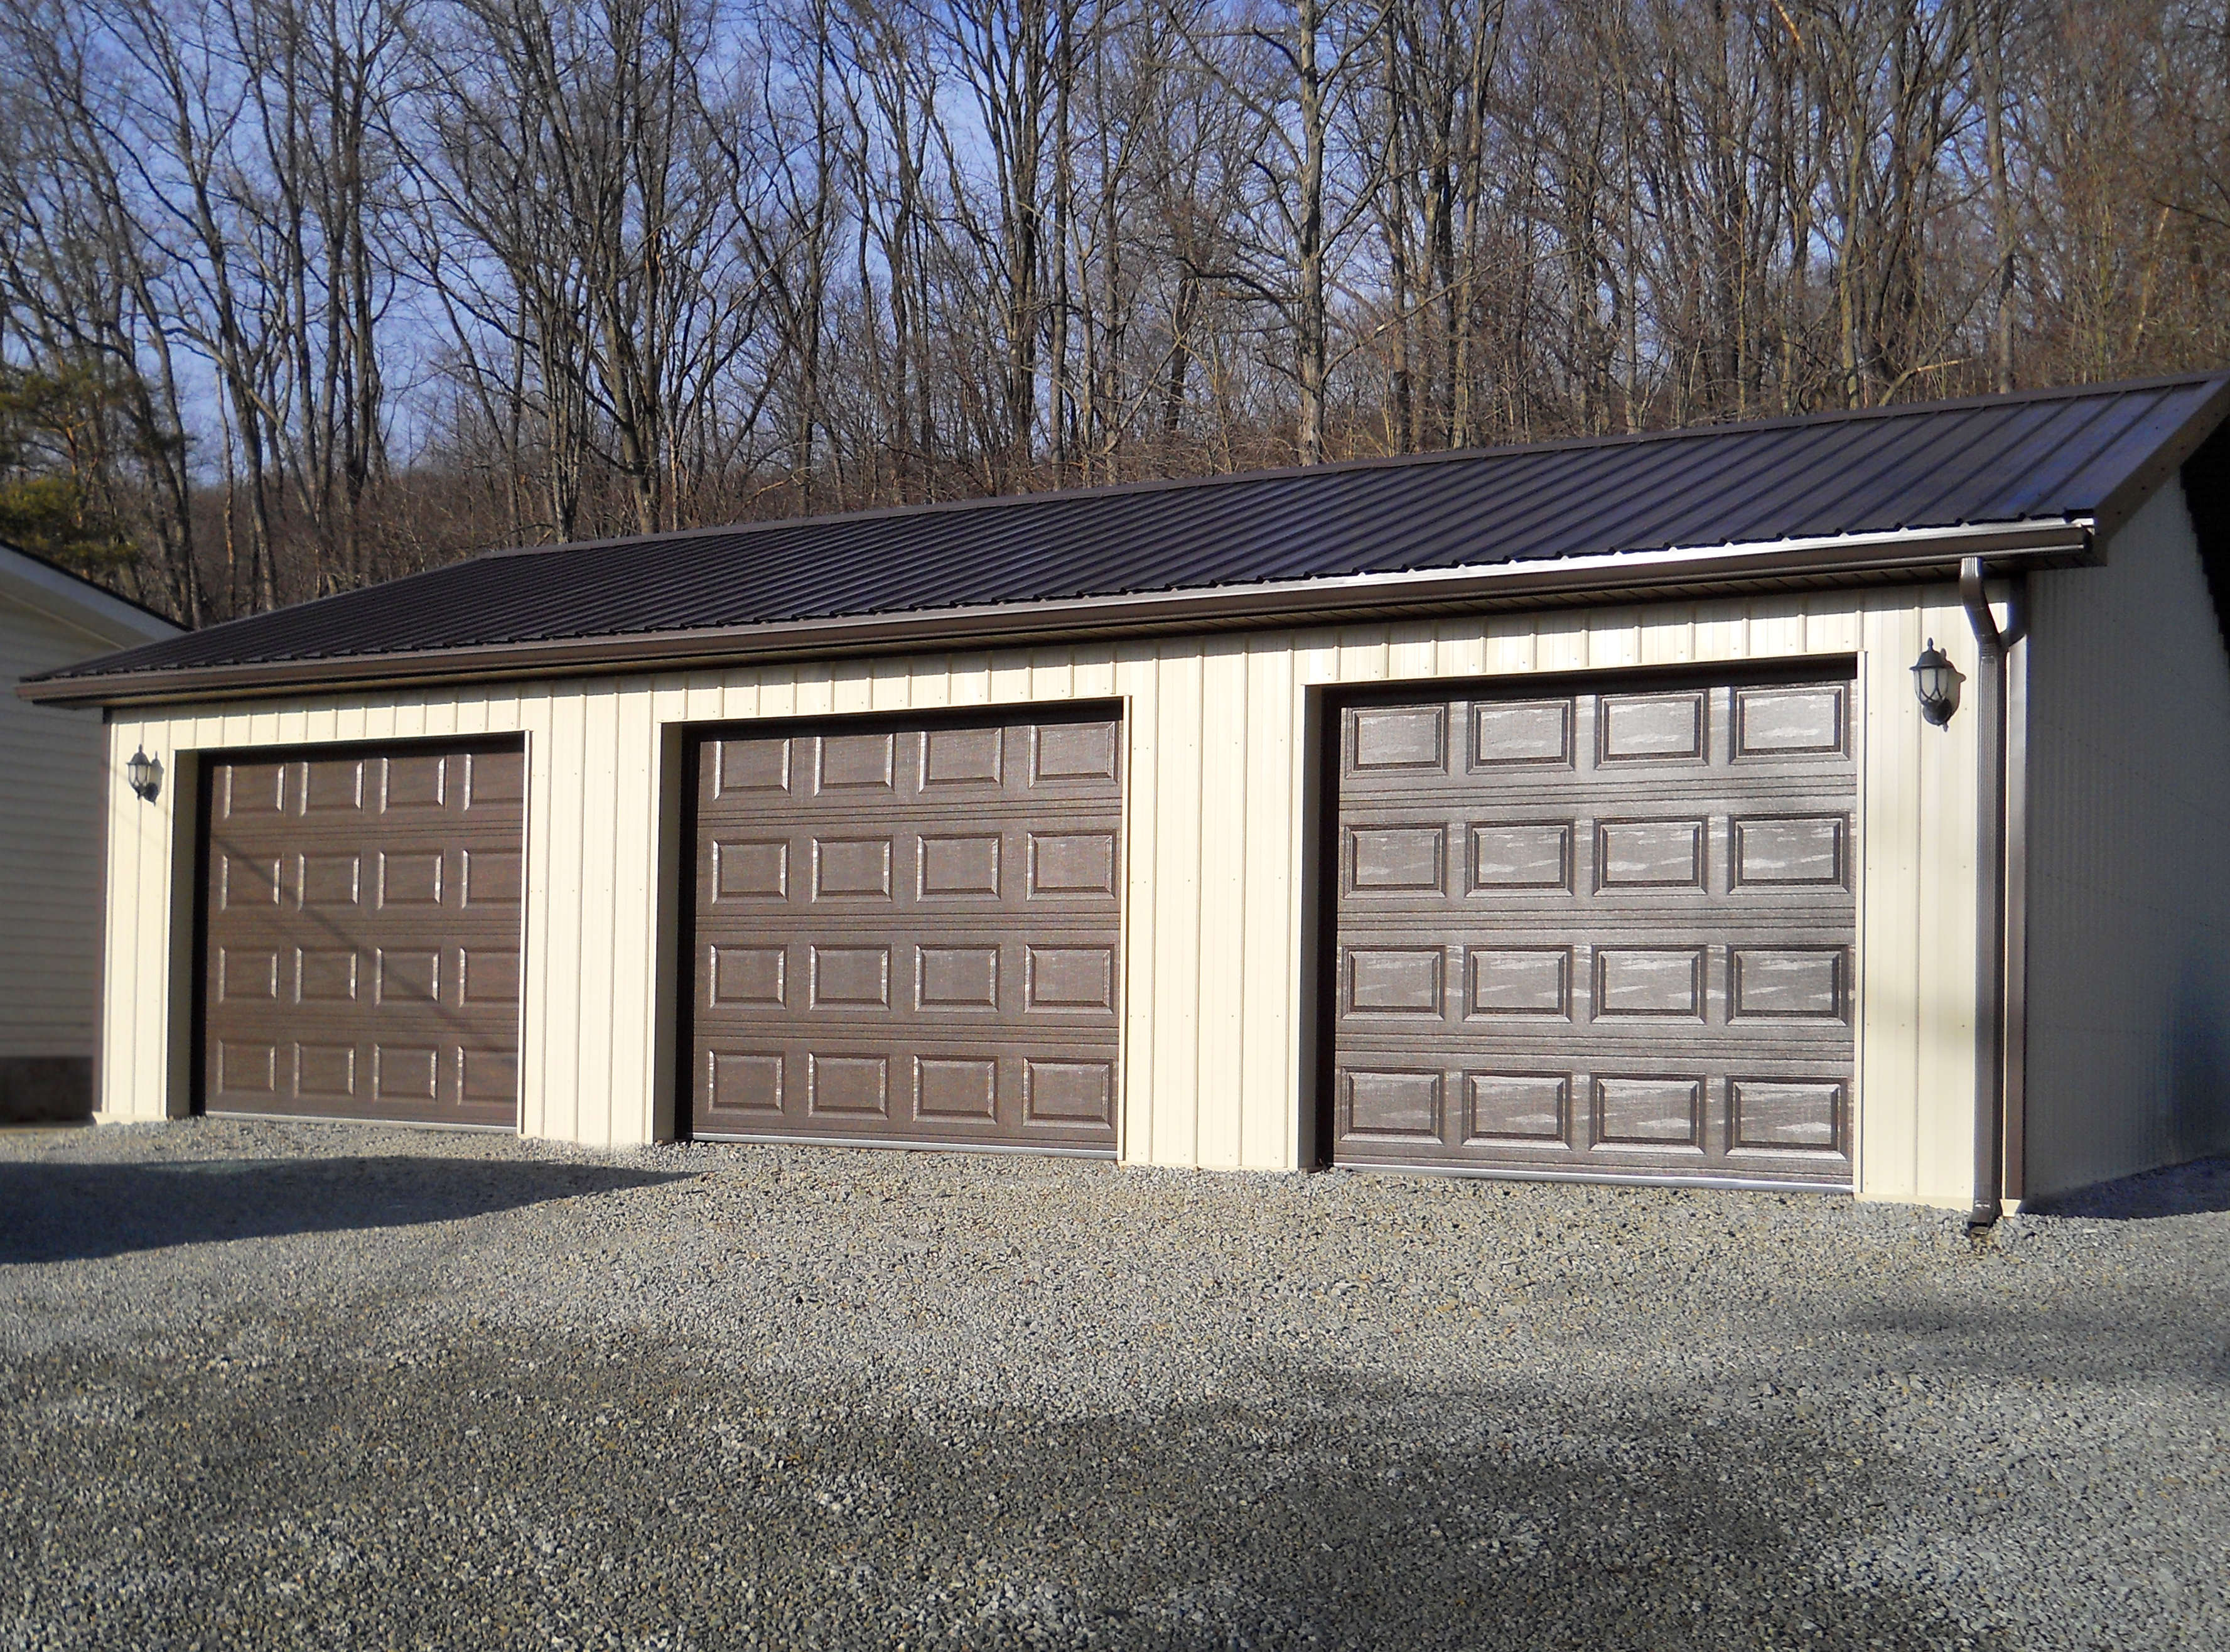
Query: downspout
column 1995, row 898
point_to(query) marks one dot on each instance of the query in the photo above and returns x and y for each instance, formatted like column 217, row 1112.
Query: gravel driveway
column 335, row 1387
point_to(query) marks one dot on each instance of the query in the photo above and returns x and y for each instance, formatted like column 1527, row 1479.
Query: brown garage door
column 1602, row 934
column 363, row 916
column 909, row 934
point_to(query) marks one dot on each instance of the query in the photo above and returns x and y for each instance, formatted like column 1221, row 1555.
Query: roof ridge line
column 1339, row 466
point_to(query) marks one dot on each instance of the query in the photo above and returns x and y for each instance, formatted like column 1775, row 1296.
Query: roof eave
column 1903, row 554
column 76, row 600
column 2129, row 494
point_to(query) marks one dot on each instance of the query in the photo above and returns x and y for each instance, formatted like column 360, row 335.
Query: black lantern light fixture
column 146, row 774
column 1936, row 682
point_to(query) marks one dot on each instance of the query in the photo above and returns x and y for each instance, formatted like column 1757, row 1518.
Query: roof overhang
column 1905, row 555
column 68, row 599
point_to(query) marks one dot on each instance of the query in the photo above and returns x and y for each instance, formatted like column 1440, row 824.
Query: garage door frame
column 680, row 956
column 195, row 793
column 1321, row 933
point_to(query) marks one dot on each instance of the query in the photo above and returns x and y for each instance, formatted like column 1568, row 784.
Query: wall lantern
column 146, row 774
column 1935, row 680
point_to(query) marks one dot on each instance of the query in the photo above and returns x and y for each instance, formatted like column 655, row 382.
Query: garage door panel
column 963, row 1092
column 1779, row 724
column 848, row 764
column 245, row 975
column 1642, row 1118
column 1629, row 728
column 418, row 783
column 1065, row 976
column 379, row 895
column 1660, row 1112
column 367, row 1077
column 957, row 975
column 969, row 763
column 247, row 880
column 753, row 869
column 1530, row 1111
column 1520, row 857
column 910, row 933
column 1783, row 1114
column 758, row 769
column 1650, row 728
column 846, row 867
column 332, row 788
column 326, row 1073
column 1661, row 855
column 970, row 760
column 1549, row 973
column 492, row 881
column 495, row 782
column 969, row 860
column 1075, row 759
column 1612, row 930
column 1773, row 852
column 1531, row 734
column 1664, row 862
column 960, row 864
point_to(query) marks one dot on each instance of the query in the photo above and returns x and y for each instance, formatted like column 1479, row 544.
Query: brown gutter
column 1998, row 999
column 1908, row 554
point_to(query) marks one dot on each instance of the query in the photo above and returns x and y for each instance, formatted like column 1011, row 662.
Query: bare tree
column 295, row 294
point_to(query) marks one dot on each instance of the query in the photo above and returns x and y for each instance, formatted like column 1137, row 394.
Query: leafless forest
column 300, row 294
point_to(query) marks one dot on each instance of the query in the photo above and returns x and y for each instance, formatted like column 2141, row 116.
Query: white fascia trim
column 78, row 603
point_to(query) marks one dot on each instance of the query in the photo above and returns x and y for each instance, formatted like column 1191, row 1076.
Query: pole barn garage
column 1830, row 803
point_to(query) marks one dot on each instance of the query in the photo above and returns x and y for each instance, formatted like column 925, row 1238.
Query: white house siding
column 2129, row 928
column 50, row 790
column 1215, row 1027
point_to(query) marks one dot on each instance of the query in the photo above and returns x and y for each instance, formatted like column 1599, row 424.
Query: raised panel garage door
column 909, row 934
column 362, row 912
column 1607, row 934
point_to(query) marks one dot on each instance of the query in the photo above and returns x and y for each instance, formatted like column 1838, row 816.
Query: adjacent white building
column 51, row 807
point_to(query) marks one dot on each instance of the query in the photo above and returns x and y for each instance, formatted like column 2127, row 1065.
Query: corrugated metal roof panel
column 2047, row 456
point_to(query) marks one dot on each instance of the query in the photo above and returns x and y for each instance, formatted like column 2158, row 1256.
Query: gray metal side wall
column 50, row 790
column 2129, row 948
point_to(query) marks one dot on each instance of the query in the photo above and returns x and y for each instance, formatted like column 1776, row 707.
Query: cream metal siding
column 1215, row 1029
column 2128, row 916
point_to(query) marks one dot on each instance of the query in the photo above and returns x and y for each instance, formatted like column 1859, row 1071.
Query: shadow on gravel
column 62, row 1212
column 588, row 1494
column 2183, row 1190
column 2171, row 1332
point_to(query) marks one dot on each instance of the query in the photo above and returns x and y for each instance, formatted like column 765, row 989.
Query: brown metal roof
column 2089, row 454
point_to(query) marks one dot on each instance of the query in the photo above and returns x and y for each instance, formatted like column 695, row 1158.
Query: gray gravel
column 273, row 1386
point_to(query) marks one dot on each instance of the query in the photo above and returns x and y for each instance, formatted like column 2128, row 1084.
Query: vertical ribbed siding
column 1215, row 883
column 50, row 798
column 2128, row 925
